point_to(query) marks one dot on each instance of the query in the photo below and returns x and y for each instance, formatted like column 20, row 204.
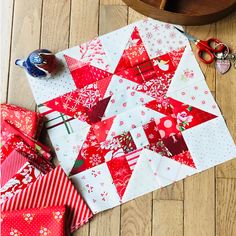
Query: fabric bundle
column 34, row 196
column 23, row 158
column 52, row 189
column 35, row 221
column 28, row 122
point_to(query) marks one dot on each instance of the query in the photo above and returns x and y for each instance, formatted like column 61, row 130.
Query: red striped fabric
column 11, row 166
column 132, row 158
column 52, row 189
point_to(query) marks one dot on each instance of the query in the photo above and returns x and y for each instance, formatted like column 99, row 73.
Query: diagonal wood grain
column 225, row 90
column 167, row 218
column 225, row 207
column 199, row 204
column 7, row 11
column 25, row 38
column 112, row 18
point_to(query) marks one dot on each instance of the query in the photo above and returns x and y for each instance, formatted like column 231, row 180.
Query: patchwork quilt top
column 130, row 112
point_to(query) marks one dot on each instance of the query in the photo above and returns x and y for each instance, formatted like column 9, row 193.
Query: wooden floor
column 201, row 205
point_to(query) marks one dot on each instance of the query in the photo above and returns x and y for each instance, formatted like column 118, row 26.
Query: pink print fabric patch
column 130, row 113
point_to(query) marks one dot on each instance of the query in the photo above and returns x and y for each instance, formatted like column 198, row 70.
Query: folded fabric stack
column 41, row 221
column 28, row 122
column 23, row 158
column 31, row 189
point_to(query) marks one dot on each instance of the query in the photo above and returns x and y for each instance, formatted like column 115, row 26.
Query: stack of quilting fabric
column 34, row 195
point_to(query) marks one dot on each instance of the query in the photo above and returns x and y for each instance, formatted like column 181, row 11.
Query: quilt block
column 131, row 112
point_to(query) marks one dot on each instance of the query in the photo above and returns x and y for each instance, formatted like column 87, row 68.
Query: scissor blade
column 190, row 37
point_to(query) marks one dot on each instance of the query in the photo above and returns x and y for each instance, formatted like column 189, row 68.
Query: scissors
column 205, row 48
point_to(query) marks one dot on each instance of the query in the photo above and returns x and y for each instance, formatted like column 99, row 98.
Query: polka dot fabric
column 35, row 221
column 166, row 126
column 52, row 189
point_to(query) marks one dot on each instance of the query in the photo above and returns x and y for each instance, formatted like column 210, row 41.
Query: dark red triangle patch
column 96, row 112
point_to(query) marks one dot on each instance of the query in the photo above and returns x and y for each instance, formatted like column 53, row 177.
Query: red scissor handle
column 206, row 49
column 213, row 44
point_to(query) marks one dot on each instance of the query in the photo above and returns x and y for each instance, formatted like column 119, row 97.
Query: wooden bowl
column 184, row 12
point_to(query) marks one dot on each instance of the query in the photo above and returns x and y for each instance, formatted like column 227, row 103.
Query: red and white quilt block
column 131, row 112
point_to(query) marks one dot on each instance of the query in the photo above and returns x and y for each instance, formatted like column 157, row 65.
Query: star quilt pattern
column 131, row 112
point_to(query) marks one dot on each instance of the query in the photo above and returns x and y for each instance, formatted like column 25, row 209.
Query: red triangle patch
column 66, row 104
column 83, row 73
column 73, row 63
column 102, row 128
column 120, row 172
column 96, row 112
column 184, row 158
column 103, row 85
column 161, row 105
column 82, row 76
column 167, row 63
column 134, row 53
column 188, row 116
